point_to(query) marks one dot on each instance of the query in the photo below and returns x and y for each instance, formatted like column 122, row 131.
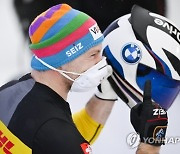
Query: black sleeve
column 58, row 137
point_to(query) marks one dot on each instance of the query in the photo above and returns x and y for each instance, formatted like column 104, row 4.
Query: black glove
column 149, row 119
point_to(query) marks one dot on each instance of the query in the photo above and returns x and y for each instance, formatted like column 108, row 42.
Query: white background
column 15, row 60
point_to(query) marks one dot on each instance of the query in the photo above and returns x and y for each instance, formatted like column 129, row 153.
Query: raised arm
column 92, row 118
column 144, row 148
column 150, row 121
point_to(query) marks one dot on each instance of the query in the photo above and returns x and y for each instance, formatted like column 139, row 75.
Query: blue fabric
column 62, row 58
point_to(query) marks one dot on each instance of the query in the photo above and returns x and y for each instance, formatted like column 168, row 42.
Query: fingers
column 147, row 92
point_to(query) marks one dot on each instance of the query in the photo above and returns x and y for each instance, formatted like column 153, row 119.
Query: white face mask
column 87, row 80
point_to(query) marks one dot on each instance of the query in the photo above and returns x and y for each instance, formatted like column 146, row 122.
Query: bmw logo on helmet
column 131, row 53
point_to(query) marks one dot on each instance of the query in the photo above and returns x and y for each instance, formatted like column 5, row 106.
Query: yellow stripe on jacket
column 10, row 144
column 88, row 128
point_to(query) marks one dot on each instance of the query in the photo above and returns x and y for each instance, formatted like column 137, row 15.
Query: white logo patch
column 95, row 32
column 159, row 112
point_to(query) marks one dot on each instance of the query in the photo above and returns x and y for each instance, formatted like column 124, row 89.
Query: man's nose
column 99, row 58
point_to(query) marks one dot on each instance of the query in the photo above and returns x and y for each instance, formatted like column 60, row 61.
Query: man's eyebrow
column 96, row 51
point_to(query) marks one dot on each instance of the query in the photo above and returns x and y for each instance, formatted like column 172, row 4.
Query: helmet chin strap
column 60, row 71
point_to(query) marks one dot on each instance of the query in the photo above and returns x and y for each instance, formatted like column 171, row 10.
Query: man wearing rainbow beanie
column 34, row 116
column 66, row 44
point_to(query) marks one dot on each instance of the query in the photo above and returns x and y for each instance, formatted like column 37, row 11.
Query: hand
column 105, row 91
column 149, row 119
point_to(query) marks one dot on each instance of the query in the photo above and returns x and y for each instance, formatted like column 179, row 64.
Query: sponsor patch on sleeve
column 86, row 148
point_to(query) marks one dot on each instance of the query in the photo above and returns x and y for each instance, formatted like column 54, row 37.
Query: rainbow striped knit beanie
column 61, row 34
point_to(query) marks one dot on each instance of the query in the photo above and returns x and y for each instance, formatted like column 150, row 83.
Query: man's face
column 84, row 62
